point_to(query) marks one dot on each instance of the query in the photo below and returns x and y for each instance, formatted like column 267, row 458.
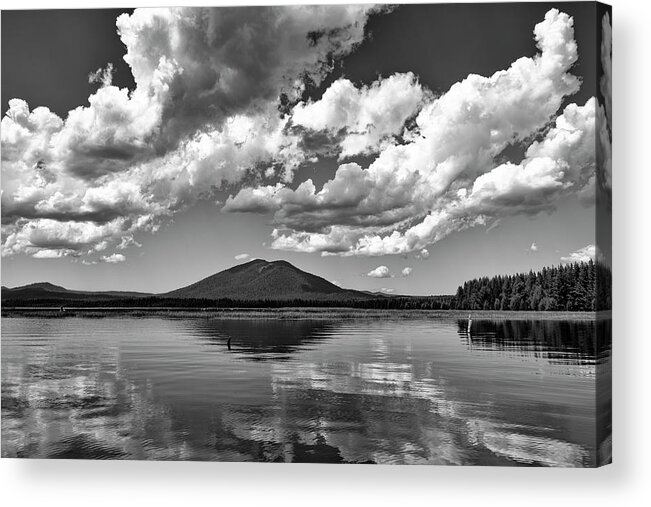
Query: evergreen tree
column 572, row 287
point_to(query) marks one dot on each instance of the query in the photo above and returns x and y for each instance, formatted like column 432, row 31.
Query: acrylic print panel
column 341, row 234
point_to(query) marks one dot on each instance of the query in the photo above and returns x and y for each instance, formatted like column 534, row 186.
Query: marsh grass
column 295, row 313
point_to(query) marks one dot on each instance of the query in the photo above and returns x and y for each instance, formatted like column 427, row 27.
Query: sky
column 402, row 149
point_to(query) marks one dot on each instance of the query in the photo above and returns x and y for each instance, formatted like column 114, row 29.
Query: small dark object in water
column 229, row 344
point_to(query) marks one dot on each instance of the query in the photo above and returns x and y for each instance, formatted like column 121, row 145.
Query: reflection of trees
column 567, row 344
column 559, row 342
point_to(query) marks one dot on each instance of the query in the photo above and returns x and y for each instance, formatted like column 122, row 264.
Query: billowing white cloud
column 233, row 59
column 406, row 271
column 379, row 272
column 423, row 254
column 103, row 76
column 444, row 178
column 69, row 237
column 47, row 253
column 113, row 258
column 387, row 290
column 533, row 247
column 203, row 115
column 363, row 118
column 581, row 255
column 254, row 200
column 242, row 256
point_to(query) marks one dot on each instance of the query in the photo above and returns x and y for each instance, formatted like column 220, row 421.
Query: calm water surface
column 367, row 391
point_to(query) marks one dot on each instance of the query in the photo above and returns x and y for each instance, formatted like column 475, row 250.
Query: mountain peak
column 283, row 263
column 44, row 286
column 266, row 280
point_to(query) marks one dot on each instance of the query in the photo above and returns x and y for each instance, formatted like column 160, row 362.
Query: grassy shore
column 295, row 313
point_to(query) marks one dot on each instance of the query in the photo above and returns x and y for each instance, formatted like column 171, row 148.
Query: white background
column 626, row 482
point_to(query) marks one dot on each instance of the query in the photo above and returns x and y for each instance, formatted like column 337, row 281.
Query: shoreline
column 297, row 313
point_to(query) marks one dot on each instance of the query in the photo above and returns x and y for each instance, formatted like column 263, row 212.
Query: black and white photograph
column 343, row 234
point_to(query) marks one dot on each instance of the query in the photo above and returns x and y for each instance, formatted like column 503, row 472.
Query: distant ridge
column 49, row 291
column 265, row 280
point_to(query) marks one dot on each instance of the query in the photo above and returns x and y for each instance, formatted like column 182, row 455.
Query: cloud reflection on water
column 385, row 392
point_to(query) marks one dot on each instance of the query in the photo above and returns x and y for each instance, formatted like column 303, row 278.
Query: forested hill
column 573, row 287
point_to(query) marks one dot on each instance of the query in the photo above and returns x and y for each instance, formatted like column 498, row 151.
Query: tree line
column 379, row 303
column 581, row 286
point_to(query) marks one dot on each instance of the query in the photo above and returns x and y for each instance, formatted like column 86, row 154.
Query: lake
column 519, row 393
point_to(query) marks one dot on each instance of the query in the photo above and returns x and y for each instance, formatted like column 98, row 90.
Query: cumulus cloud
column 363, row 118
column 241, row 257
column 103, row 76
column 379, row 272
column 254, row 200
column 561, row 164
column 423, row 254
column 442, row 175
column 584, row 254
column 69, row 237
column 203, row 115
column 387, row 290
column 113, row 258
column 406, row 271
column 533, row 247
column 234, row 58
column 49, row 253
